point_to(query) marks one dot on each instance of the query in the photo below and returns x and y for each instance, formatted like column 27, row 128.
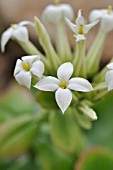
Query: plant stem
column 78, row 62
column 62, row 43
column 101, row 75
column 94, row 55
column 30, row 49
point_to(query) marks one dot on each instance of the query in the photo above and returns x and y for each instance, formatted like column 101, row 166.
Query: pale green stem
column 101, row 75
column 100, row 90
column 100, row 86
column 30, row 49
column 94, row 55
column 75, row 98
column 78, row 62
column 62, row 43
column 100, row 95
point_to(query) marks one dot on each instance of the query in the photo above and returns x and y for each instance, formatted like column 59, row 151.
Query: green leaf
column 95, row 159
column 102, row 131
column 11, row 101
column 45, row 41
column 46, row 100
column 52, row 158
column 23, row 162
column 65, row 133
column 16, row 135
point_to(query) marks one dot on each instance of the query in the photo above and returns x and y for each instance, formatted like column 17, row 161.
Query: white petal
column 22, row 23
column 79, row 13
column 73, row 27
column 48, row 84
column 67, row 11
column 80, row 84
column 65, row 71
column 18, row 67
column 80, row 19
column 21, row 33
column 24, row 78
column 63, row 98
column 86, row 28
column 110, row 66
column 109, row 79
column 80, row 37
column 107, row 22
column 37, row 69
column 52, row 14
column 106, row 19
column 5, row 38
column 30, row 59
column 95, row 14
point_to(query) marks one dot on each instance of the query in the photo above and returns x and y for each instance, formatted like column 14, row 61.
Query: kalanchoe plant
column 62, row 80
column 78, row 65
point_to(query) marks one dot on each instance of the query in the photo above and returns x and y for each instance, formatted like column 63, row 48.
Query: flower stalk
column 100, row 77
column 94, row 54
column 79, row 59
column 62, row 43
column 30, row 49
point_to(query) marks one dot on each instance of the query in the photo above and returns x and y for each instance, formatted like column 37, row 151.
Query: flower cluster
column 64, row 72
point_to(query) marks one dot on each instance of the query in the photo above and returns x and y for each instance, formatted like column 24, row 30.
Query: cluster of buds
column 62, row 71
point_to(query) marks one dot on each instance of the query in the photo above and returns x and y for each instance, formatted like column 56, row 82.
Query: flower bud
column 106, row 16
column 57, row 13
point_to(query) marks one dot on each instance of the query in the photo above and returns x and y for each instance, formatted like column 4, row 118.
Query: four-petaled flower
column 56, row 13
column 109, row 76
column 80, row 28
column 63, row 85
column 25, row 68
column 106, row 17
column 16, row 31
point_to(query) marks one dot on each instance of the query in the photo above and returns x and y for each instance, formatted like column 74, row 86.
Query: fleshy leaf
column 65, row 132
column 95, row 159
column 16, row 135
column 46, row 100
column 45, row 41
column 102, row 131
column 52, row 158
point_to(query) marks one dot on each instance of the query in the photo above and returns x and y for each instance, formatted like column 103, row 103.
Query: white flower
column 16, row 31
column 25, row 68
column 80, row 28
column 63, row 85
column 106, row 17
column 109, row 76
column 57, row 13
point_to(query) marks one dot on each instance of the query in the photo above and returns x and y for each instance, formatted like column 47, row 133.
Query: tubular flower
column 25, row 68
column 16, row 31
column 80, row 28
column 109, row 76
column 57, row 13
column 106, row 17
column 63, row 85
